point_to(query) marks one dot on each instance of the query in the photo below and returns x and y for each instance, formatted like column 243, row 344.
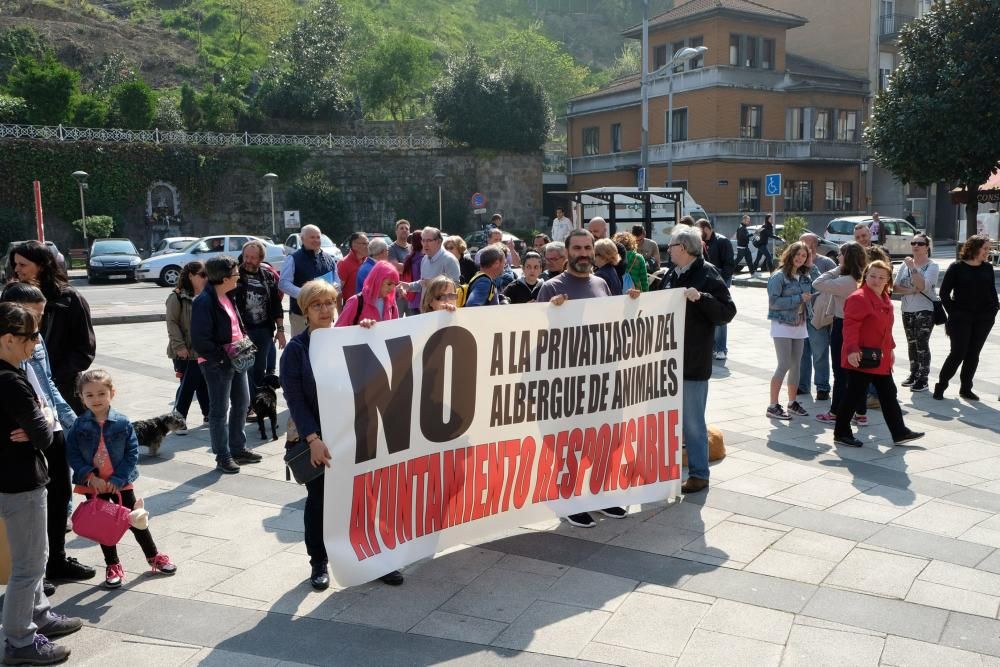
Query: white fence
column 183, row 137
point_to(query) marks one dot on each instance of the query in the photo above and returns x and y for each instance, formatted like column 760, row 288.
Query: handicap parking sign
column 772, row 185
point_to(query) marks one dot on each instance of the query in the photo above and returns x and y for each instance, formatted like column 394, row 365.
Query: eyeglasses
column 673, row 245
column 427, row 240
column 917, row 243
column 322, row 305
column 446, row 297
column 30, row 336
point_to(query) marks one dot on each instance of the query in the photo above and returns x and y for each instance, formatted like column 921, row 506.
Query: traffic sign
column 641, row 178
column 772, row 185
column 292, row 220
column 478, row 200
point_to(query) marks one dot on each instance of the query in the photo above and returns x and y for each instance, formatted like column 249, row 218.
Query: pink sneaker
column 161, row 564
column 860, row 421
column 827, row 418
column 114, row 577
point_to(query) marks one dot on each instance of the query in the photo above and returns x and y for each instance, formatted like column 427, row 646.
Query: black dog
column 265, row 404
column 150, row 432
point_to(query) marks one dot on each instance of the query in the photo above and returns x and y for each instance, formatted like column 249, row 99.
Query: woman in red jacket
column 867, row 354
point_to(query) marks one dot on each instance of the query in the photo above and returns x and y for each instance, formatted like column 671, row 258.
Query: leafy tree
column 115, row 69
column 19, row 42
column 939, row 117
column 543, row 61
column 133, row 105
column 98, row 226
column 396, row 74
column 191, row 113
column 320, row 203
column 221, row 112
column 12, row 109
column 305, row 75
column 48, row 88
column 167, row 116
column 491, row 108
column 260, row 19
column 90, row 111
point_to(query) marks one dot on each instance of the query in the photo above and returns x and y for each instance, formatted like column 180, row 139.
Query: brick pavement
column 799, row 554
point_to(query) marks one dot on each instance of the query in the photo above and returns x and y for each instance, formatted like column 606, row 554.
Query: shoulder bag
column 102, row 521
column 823, row 310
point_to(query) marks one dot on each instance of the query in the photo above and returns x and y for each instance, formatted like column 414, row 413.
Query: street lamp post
column 271, row 179
column 81, row 180
column 439, row 179
column 682, row 55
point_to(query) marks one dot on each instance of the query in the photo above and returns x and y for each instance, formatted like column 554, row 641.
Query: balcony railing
column 726, row 149
column 889, row 25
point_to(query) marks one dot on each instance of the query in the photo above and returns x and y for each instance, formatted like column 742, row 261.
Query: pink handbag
column 101, row 521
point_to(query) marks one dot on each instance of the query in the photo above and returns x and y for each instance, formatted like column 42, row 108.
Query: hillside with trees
column 299, row 65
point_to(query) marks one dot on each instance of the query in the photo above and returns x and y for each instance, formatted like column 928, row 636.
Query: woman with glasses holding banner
column 318, row 302
column 916, row 282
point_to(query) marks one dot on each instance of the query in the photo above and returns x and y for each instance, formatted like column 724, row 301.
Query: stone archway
column 163, row 211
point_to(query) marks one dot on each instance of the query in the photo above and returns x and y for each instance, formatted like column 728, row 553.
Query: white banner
column 450, row 428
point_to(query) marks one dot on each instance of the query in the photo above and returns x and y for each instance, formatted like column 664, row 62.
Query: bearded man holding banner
column 709, row 305
column 579, row 282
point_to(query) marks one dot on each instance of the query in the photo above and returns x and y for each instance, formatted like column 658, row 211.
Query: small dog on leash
column 151, row 432
column 265, row 404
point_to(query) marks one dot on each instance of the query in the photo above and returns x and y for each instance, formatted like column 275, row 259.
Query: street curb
column 128, row 319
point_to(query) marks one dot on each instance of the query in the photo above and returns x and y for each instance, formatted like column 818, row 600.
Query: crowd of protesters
column 226, row 327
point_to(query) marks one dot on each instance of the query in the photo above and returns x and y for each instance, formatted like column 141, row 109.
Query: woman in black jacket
column 68, row 332
column 25, row 432
column 969, row 294
column 763, row 245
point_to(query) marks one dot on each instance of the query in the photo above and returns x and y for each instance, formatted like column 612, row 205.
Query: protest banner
column 450, row 428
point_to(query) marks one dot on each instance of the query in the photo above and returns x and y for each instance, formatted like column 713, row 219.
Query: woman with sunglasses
column 916, row 282
column 192, row 281
column 25, row 433
column 969, row 294
column 440, row 294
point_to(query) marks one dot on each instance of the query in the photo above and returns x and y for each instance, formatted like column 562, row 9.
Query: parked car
column 294, row 242
column 166, row 269
column 171, row 244
column 898, row 232
column 777, row 245
column 477, row 240
column 345, row 247
column 7, row 270
column 112, row 258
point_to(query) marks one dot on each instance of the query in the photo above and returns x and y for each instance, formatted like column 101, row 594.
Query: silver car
column 166, row 269
column 171, row 244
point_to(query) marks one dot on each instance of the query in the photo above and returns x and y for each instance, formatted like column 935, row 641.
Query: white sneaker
column 181, row 431
column 719, row 356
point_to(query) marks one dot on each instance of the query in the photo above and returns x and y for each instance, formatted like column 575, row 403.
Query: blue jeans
column 25, row 607
column 815, row 359
column 192, row 384
column 229, row 400
column 263, row 340
column 722, row 331
column 695, row 429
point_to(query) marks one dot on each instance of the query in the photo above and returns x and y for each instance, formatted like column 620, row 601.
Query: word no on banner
column 451, row 428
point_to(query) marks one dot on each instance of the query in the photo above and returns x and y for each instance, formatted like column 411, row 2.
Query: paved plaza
column 799, row 554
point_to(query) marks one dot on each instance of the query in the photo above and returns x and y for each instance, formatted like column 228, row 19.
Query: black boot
column 939, row 390
column 968, row 394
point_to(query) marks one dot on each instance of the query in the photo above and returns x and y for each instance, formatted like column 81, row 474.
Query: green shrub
column 48, row 88
column 133, row 105
column 794, row 227
column 13, row 109
column 98, row 226
column 90, row 111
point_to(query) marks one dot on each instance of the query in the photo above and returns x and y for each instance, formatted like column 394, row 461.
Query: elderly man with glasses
column 436, row 261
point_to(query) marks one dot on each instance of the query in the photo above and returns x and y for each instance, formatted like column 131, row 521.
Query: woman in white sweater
column 841, row 282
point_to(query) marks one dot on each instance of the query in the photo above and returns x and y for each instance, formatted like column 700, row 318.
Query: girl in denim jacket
column 789, row 291
column 104, row 453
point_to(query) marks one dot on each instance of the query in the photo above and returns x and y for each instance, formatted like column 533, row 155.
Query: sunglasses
column 917, row 243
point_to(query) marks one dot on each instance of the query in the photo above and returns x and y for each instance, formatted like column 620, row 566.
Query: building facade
column 776, row 92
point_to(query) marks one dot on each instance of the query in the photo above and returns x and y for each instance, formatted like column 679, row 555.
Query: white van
column 665, row 215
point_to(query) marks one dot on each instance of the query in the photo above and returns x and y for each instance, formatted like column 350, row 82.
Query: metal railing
column 889, row 25
column 183, row 137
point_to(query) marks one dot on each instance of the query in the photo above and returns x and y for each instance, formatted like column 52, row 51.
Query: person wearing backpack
column 481, row 290
column 377, row 299
column 525, row 289
column 762, row 240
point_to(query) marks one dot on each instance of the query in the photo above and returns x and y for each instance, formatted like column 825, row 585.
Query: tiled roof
column 627, row 83
column 697, row 8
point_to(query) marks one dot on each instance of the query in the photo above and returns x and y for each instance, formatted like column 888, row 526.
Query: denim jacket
column 39, row 362
column 784, row 302
column 119, row 438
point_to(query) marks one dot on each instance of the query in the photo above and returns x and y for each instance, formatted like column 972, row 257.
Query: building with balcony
column 746, row 108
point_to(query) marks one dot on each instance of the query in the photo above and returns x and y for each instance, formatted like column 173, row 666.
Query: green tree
column 115, row 69
column 48, row 88
column 396, row 74
column 12, row 109
column 168, row 116
column 543, row 61
column 19, row 42
column 305, row 75
column 221, row 112
column 191, row 113
column 939, row 117
column 491, row 107
column 320, row 203
column 98, row 226
column 90, row 111
column 259, row 19
column 133, row 105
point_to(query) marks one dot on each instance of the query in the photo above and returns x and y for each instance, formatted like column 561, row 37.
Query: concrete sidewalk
column 800, row 553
